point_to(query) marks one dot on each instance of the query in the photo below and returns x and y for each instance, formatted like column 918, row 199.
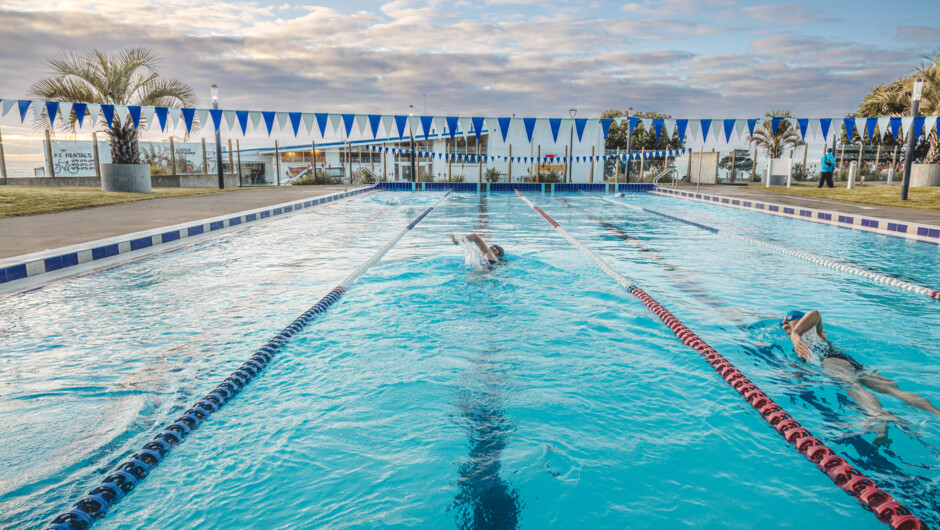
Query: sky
column 537, row 58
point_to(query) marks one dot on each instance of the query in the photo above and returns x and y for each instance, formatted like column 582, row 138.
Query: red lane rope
column 843, row 474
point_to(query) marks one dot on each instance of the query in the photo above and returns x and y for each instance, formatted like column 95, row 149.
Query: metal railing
column 365, row 175
column 671, row 171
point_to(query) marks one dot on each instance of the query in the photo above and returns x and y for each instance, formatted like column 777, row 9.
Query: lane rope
column 907, row 286
column 843, row 474
column 121, row 482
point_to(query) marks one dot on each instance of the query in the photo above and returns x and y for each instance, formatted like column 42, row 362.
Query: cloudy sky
column 688, row 58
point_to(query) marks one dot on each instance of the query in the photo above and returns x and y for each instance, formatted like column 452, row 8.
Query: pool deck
column 36, row 233
column 906, row 215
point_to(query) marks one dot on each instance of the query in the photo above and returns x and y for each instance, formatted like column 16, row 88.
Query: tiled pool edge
column 509, row 187
column 28, row 270
column 888, row 227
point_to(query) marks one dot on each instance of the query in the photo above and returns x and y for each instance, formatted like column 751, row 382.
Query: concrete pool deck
column 36, row 233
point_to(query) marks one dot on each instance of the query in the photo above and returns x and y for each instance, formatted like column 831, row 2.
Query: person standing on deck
column 826, row 167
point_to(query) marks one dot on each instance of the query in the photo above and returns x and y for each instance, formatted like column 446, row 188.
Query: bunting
column 242, row 116
column 426, row 125
column 529, row 127
column 451, row 126
column 477, row 127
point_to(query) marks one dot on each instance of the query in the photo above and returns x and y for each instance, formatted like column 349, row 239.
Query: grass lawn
column 31, row 200
column 880, row 195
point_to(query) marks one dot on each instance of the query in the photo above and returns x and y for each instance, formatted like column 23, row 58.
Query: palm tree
column 894, row 99
column 776, row 143
column 126, row 77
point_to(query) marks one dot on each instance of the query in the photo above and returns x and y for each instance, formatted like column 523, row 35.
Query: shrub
column 491, row 175
column 424, row 176
column 552, row 176
column 458, row 178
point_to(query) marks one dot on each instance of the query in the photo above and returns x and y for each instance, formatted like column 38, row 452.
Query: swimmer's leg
column 848, row 376
column 884, row 385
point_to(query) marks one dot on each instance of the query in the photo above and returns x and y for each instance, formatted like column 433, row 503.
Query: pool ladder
column 671, row 171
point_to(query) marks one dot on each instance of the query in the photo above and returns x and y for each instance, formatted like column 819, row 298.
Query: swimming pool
column 536, row 394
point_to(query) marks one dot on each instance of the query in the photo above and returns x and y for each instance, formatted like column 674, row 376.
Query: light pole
column 214, row 92
column 626, row 176
column 912, row 132
column 572, row 113
column 414, row 174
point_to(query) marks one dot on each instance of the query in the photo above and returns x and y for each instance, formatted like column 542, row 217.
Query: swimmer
column 620, row 195
column 811, row 344
column 493, row 253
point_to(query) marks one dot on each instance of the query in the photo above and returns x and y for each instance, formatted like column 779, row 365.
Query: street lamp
column 572, row 113
column 626, row 175
column 912, row 132
column 214, row 95
column 414, row 169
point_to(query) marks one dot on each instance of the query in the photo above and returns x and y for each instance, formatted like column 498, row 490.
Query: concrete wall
column 925, row 175
column 157, row 181
column 193, row 181
column 85, row 182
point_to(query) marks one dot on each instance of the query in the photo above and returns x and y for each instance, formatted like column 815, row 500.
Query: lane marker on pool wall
column 131, row 472
column 849, row 479
column 926, row 291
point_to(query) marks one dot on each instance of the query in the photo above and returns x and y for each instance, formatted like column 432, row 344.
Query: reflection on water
column 484, row 499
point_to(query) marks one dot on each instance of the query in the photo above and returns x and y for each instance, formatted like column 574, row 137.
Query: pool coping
column 509, row 187
column 889, row 227
column 29, row 270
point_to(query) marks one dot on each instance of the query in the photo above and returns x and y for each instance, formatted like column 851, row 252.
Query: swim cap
column 498, row 250
column 791, row 316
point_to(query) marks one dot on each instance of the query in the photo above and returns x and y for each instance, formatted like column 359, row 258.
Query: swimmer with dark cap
column 811, row 344
column 493, row 253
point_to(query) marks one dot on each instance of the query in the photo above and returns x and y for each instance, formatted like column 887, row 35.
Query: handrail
column 361, row 170
column 670, row 171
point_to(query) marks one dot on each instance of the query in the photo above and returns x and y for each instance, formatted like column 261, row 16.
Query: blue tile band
column 19, row 271
column 923, row 233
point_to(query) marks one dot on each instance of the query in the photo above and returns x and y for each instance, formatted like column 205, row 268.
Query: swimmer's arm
column 806, row 323
column 478, row 241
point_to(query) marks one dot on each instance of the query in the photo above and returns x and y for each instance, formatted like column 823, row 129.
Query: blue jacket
column 828, row 163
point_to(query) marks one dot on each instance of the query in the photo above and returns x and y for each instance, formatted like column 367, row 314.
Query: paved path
column 910, row 215
column 35, row 233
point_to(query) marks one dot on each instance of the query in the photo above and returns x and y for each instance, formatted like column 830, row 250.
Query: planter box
column 134, row 178
column 925, row 175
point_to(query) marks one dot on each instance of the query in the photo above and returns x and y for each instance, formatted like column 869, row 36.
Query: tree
column 742, row 163
column 126, row 77
column 641, row 139
column 776, row 143
column 894, row 99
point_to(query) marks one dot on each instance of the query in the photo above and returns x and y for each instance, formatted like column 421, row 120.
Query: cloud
column 787, row 14
column 317, row 58
column 919, row 34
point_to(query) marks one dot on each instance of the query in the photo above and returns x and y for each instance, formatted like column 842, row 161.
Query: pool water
column 435, row 394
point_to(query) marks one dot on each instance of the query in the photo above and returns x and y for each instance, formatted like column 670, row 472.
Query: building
column 388, row 158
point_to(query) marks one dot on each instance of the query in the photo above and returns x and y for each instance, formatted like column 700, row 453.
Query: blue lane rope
column 99, row 501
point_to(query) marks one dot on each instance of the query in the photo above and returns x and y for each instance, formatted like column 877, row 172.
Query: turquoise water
column 435, row 395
